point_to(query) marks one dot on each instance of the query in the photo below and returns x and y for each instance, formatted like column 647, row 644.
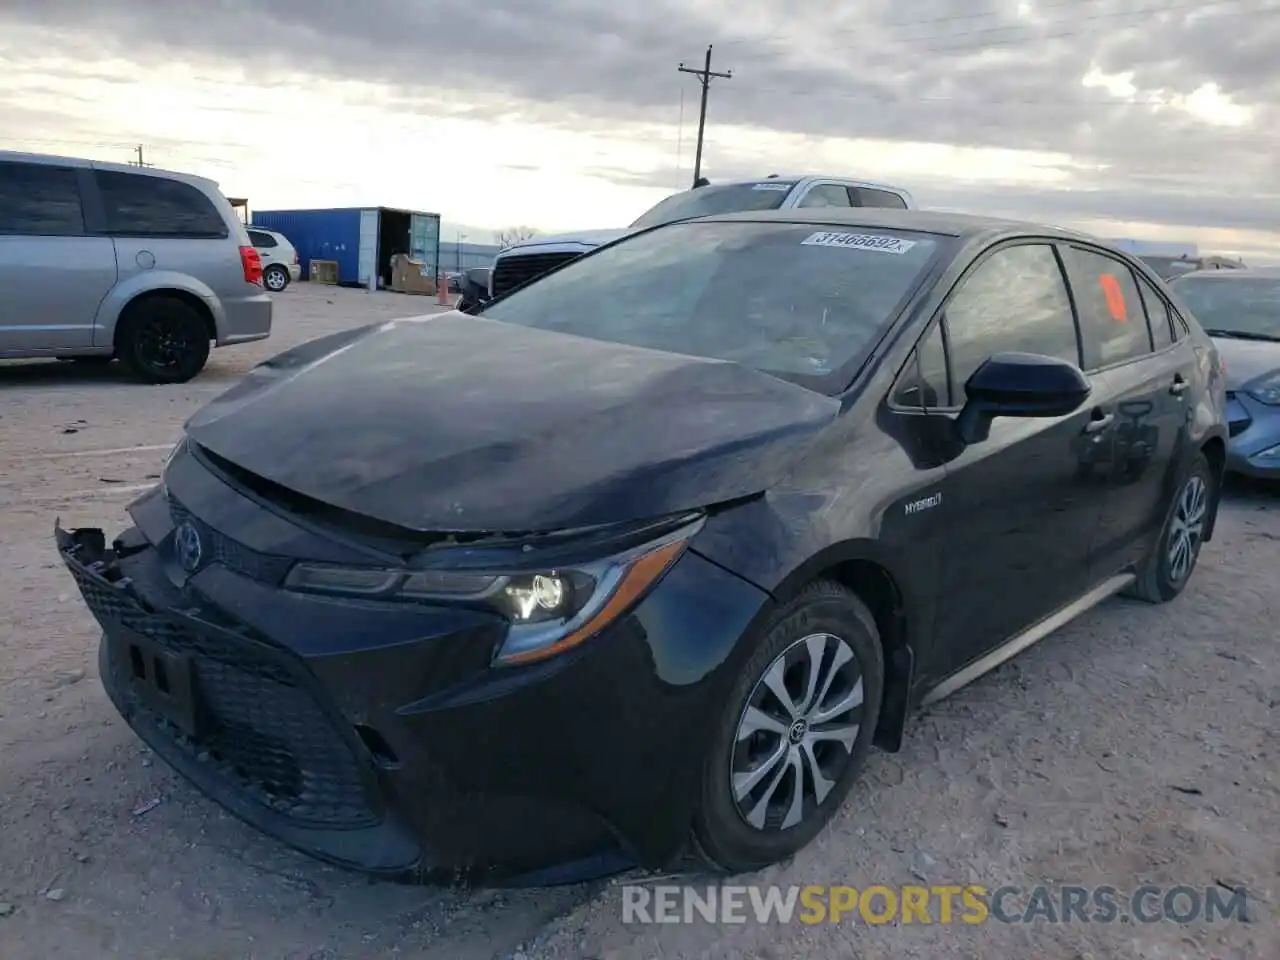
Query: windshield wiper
column 1243, row 335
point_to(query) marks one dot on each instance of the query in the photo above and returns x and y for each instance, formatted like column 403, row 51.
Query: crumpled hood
column 458, row 423
column 1247, row 360
column 590, row 238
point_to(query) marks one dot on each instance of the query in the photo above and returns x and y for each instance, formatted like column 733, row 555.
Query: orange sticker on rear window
column 1115, row 297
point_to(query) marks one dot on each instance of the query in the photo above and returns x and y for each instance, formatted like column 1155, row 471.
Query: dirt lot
column 1136, row 745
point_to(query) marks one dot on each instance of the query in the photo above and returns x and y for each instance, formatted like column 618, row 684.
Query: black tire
column 1160, row 579
column 162, row 340
column 275, row 278
column 723, row 837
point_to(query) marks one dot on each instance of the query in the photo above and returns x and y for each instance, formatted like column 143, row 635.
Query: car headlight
column 548, row 611
column 1268, row 393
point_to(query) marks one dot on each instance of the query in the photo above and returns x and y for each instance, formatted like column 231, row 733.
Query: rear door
column 1144, row 391
column 53, row 275
column 1019, row 521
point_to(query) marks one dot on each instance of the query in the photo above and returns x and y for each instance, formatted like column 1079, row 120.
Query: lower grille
column 512, row 270
column 266, row 736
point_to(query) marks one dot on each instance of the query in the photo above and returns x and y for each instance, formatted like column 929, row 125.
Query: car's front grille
column 514, row 269
column 266, row 735
column 222, row 549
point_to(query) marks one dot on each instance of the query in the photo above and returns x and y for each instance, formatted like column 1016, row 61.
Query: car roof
column 964, row 226
column 795, row 177
column 11, row 156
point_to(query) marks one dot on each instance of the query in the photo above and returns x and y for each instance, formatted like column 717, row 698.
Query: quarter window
column 1111, row 312
column 1014, row 301
column 138, row 205
column 37, row 200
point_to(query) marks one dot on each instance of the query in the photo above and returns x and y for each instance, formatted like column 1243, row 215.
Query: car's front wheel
column 275, row 278
column 793, row 733
column 1166, row 571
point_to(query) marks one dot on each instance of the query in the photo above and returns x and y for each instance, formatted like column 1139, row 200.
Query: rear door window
column 263, row 240
column 38, row 200
column 1112, row 317
column 138, row 205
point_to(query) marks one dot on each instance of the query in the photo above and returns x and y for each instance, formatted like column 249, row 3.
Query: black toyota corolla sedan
column 634, row 567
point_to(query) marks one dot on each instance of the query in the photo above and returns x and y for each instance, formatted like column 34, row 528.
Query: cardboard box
column 411, row 276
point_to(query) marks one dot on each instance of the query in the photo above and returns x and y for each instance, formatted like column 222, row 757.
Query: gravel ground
column 1136, row 745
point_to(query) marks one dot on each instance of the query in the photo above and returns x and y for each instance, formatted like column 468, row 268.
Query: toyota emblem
column 186, row 542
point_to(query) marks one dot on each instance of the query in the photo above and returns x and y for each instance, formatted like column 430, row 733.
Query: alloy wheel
column 796, row 735
column 162, row 344
column 275, row 280
column 1187, row 528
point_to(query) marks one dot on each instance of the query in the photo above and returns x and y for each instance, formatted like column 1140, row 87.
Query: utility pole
column 704, row 77
column 139, row 162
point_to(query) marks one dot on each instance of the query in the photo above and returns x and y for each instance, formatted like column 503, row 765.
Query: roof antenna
column 772, row 176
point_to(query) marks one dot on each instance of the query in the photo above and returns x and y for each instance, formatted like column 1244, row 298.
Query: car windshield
column 800, row 301
column 710, row 201
column 1246, row 307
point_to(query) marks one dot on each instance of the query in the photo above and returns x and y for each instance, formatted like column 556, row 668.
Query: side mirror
column 1019, row 385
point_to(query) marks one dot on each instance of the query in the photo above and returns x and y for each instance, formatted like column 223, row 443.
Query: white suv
column 521, row 262
column 280, row 265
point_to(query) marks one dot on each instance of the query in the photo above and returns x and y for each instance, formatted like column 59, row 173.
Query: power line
column 704, row 77
column 1147, row 11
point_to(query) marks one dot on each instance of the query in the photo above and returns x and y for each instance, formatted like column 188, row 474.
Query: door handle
column 1179, row 384
column 1099, row 422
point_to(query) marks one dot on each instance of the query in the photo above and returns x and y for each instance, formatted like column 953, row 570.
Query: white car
column 531, row 258
column 280, row 264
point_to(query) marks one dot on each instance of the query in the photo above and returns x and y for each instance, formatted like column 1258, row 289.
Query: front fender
column 125, row 292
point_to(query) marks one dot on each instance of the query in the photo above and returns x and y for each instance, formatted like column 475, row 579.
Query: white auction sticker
column 780, row 187
column 859, row 241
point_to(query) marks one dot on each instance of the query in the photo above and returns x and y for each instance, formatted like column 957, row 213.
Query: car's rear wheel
column 794, row 732
column 275, row 278
column 1168, row 568
column 162, row 340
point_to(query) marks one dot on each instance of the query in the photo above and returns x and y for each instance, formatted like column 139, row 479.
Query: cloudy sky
column 1124, row 117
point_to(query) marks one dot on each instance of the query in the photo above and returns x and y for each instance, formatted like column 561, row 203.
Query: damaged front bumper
column 239, row 718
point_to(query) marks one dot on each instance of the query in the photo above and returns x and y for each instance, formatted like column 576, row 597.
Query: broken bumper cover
column 234, row 716
column 381, row 740
column 247, row 723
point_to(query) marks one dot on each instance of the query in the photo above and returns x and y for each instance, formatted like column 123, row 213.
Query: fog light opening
column 377, row 745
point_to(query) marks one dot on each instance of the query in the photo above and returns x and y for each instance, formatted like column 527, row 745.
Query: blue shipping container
column 360, row 239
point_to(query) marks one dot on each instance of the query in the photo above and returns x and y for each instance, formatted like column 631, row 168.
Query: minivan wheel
column 162, row 340
column 1168, row 568
column 793, row 733
column 275, row 278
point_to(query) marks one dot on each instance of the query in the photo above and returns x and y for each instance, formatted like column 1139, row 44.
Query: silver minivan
column 103, row 261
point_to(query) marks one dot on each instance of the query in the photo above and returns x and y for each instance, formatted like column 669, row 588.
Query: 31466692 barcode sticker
column 779, row 187
column 859, row 241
